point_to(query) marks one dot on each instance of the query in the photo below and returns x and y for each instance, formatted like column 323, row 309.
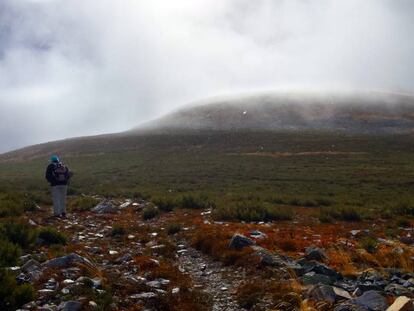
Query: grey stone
column 257, row 234
column 349, row 307
column 315, row 253
column 398, row 290
column 147, row 295
column 322, row 293
column 267, row 258
column 402, row 304
column 239, row 241
column 372, row 300
column 65, row 261
column 312, row 278
column 341, row 293
column 70, row 306
column 31, row 265
column 125, row 258
column 158, row 283
column 105, row 207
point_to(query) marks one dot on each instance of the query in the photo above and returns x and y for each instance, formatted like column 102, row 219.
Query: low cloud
column 70, row 68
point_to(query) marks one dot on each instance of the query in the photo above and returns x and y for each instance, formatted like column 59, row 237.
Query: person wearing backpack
column 58, row 175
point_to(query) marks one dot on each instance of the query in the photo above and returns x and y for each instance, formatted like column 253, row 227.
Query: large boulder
column 239, row 241
column 371, row 300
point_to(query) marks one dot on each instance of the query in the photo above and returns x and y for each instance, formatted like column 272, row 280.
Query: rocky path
column 218, row 281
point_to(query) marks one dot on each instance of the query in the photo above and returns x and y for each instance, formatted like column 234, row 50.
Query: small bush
column 351, row 214
column 369, row 244
column 150, row 212
column 165, row 204
column 11, row 205
column 249, row 294
column 404, row 223
column 12, row 295
column 9, row 254
column 118, row 230
column 404, row 208
column 289, row 245
column 80, row 204
column 19, row 232
column 51, row 236
column 252, row 211
column 173, row 228
column 215, row 244
column 196, row 202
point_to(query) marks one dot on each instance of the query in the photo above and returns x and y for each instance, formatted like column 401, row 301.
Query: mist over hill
column 365, row 113
column 357, row 113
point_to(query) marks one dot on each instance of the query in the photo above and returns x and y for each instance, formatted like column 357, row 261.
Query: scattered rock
column 341, row 293
column 31, row 265
column 372, row 300
column 398, row 290
column 125, row 258
column 267, row 258
column 147, row 295
column 312, row 278
column 158, row 283
column 105, row 207
column 239, row 241
column 65, row 261
column 402, row 304
column 70, row 306
column 349, row 307
column 315, row 253
column 322, row 293
column 256, row 234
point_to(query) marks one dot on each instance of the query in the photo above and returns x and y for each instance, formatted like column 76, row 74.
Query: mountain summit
column 356, row 113
column 367, row 114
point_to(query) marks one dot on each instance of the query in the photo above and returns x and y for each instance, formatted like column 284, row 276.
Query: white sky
column 76, row 67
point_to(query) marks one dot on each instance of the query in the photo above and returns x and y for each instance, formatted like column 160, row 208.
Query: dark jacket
column 50, row 178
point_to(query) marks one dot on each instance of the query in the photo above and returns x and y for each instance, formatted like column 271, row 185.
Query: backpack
column 60, row 172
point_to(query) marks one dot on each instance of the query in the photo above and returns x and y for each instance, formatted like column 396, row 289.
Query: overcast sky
column 77, row 67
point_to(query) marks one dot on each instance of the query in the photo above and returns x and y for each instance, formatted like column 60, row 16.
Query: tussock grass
column 150, row 212
column 50, row 236
column 344, row 213
column 252, row 211
column 12, row 295
column 82, row 203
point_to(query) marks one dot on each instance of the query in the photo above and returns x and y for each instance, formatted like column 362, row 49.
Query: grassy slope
column 378, row 171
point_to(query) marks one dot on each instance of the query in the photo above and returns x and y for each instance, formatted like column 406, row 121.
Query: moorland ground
column 310, row 168
column 310, row 188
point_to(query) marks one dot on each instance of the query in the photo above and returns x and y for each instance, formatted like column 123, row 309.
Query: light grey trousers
column 59, row 199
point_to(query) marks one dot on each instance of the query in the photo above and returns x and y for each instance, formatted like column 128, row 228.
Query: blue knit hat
column 54, row 158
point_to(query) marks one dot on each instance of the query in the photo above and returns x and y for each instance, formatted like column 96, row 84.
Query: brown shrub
column 214, row 242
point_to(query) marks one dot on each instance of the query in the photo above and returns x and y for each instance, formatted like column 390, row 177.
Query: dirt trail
column 218, row 281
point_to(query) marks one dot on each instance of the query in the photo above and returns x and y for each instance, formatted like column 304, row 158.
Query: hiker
column 58, row 175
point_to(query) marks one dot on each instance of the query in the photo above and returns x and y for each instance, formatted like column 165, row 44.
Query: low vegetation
column 345, row 213
column 49, row 236
column 82, row 203
column 12, row 295
column 252, row 211
column 150, row 212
